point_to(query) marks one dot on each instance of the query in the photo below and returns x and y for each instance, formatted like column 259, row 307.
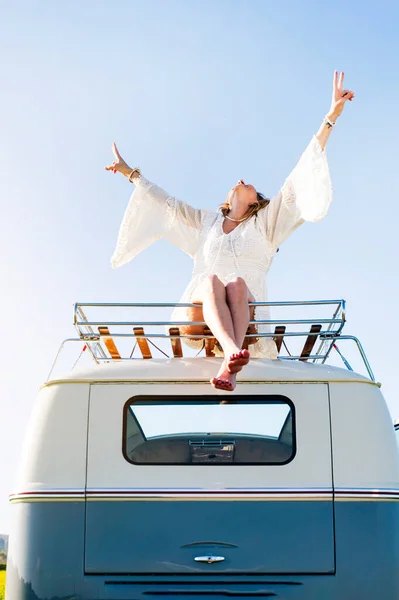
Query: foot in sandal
column 237, row 361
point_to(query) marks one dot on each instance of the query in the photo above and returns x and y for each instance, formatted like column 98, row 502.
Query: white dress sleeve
column 152, row 214
column 305, row 195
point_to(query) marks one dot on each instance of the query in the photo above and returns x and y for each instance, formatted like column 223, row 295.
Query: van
column 139, row 480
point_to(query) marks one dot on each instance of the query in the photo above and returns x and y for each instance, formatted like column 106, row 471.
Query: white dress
column 246, row 252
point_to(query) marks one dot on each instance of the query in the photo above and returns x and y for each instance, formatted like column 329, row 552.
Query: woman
column 232, row 249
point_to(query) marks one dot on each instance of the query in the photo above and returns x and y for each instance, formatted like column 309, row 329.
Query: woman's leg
column 226, row 313
column 218, row 316
column 238, row 296
column 211, row 294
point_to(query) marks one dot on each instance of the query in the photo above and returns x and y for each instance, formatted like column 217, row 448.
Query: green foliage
column 2, row 584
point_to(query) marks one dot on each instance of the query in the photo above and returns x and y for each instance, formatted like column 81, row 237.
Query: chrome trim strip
column 262, row 494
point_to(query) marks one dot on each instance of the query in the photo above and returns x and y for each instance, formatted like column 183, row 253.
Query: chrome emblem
column 209, row 559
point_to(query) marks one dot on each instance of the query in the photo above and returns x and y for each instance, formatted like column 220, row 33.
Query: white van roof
column 202, row 369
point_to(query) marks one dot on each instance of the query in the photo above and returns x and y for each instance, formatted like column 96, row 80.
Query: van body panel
column 46, row 549
column 54, row 449
column 108, row 469
column 360, row 416
column 367, row 549
column 254, row 537
column 290, row 533
column 40, row 568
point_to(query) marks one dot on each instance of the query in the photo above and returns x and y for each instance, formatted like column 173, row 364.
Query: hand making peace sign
column 339, row 96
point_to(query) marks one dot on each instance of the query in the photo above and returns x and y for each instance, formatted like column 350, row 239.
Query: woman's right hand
column 119, row 164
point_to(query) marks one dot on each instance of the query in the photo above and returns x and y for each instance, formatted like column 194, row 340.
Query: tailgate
column 197, row 484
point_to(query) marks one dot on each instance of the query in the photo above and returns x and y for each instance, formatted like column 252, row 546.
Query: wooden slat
column 142, row 342
column 109, row 342
column 279, row 338
column 209, row 343
column 176, row 342
column 310, row 342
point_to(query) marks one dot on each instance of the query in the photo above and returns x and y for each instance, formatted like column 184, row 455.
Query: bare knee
column 214, row 286
column 237, row 290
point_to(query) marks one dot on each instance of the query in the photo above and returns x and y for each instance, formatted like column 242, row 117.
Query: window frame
column 255, row 399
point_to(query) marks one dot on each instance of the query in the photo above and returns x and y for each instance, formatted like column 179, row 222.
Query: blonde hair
column 253, row 209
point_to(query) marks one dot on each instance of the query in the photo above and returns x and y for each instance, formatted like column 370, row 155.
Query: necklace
column 235, row 220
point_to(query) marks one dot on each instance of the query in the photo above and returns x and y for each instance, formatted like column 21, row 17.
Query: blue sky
column 198, row 94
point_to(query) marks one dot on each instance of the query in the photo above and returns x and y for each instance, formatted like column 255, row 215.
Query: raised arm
column 183, row 211
column 339, row 97
column 307, row 192
column 152, row 214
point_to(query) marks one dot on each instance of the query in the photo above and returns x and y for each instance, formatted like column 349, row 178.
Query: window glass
column 209, row 430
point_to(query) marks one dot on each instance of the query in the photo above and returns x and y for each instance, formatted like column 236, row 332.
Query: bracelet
column 135, row 171
column 329, row 122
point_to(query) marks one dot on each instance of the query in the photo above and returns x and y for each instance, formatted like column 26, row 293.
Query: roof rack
column 110, row 340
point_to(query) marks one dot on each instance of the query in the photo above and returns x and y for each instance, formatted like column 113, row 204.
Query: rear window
column 209, row 430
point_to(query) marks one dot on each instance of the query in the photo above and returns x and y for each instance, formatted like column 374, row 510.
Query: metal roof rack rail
column 110, row 340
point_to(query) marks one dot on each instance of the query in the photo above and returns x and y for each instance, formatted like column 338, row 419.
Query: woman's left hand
column 339, row 96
